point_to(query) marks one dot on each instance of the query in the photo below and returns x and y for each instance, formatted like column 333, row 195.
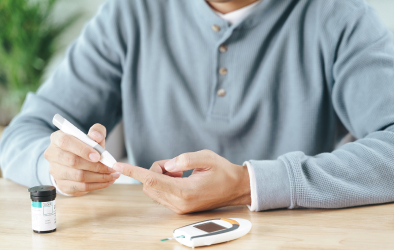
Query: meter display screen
column 210, row 227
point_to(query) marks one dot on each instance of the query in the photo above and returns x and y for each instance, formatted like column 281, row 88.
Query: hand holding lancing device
column 215, row 182
column 75, row 166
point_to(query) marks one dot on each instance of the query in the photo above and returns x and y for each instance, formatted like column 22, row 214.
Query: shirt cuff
column 57, row 189
column 269, row 185
column 44, row 177
column 43, row 168
column 253, row 192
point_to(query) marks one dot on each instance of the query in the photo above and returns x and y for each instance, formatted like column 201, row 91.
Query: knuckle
column 66, row 175
column 63, row 187
column 62, row 141
column 149, row 181
column 209, row 153
column 47, row 154
column 63, row 175
column 187, row 196
column 98, row 168
column 54, row 136
column 72, row 161
column 82, row 150
column 74, row 188
column 183, row 160
column 80, row 175
column 80, row 187
column 85, row 187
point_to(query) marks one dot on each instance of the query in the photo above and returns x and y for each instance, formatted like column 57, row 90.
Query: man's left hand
column 215, row 182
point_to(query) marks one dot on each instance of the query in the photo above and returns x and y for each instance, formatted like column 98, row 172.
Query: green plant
column 28, row 40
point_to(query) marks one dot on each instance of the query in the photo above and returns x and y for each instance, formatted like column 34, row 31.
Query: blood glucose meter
column 209, row 232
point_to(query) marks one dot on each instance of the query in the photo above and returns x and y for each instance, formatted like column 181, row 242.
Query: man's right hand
column 75, row 166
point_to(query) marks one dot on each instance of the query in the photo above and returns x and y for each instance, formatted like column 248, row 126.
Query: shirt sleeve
column 85, row 89
column 360, row 172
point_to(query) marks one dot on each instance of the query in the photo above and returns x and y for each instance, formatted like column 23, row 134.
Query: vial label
column 43, row 215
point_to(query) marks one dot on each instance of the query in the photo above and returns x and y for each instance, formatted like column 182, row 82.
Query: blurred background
column 33, row 38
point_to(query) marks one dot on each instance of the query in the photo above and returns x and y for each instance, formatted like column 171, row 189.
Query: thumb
column 197, row 160
column 98, row 133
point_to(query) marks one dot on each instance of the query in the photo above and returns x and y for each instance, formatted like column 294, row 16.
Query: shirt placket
column 221, row 91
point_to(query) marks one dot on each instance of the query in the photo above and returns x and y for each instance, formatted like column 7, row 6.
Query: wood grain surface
column 123, row 217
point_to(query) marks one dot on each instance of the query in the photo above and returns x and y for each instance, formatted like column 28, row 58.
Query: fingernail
column 111, row 170
column 112, row 182
column 170, row 165
column 94, row 157
column 115, row 175
column 118, row 168
column 97, row 136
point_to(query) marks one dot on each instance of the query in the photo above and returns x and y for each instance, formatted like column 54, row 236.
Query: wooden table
column 122, row 217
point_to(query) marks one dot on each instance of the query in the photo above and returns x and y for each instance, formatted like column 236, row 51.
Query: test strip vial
column 43, row 209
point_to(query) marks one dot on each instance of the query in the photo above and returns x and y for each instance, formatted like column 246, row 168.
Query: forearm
column 85, row 89
column 21, row 150
column 359, row 173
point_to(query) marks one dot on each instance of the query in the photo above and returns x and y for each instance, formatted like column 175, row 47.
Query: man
column 255, row 104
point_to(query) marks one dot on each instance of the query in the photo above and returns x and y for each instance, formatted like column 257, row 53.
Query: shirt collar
column 207, row 17
column 236, row 16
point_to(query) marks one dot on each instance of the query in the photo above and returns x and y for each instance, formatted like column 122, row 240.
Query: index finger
column 73, row 145
column 149, row 178
column 60, row 156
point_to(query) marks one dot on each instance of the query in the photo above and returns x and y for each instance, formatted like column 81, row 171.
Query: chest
column 221, row 75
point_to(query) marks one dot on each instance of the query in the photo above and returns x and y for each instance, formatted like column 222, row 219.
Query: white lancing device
column 68, row 128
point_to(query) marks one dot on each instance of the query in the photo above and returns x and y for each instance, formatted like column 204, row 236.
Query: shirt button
column 221, row 92
column 223, row 71
column 223, row 48
column 215, row 28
